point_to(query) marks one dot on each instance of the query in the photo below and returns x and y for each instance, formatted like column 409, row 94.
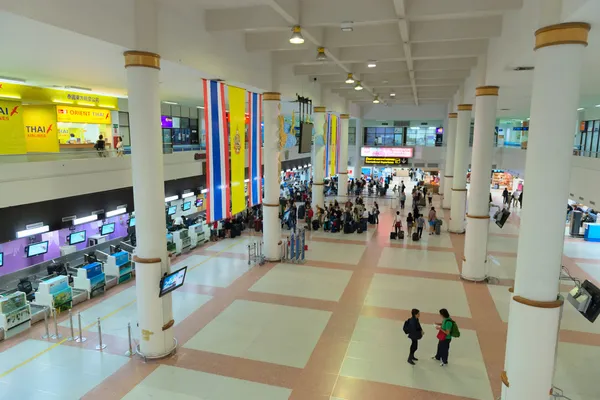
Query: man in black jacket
column 415, row 333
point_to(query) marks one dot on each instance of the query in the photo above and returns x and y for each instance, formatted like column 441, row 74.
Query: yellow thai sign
column 41, row 132
column 12, row 139
column 82, row 115
column 33, row 93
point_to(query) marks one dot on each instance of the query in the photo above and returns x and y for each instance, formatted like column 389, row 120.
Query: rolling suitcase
column 348, row 228
column 438, row 227
column 401, row 235
column 359, row 230
column 415, row 237
column 392, row 235
column 301, row 212
column 315, row 225
column 258, row 225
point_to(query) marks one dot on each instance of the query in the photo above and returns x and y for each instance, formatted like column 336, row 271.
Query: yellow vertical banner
column 333, row 146
column 12, row 139
column 41, row 131
column 237, row 147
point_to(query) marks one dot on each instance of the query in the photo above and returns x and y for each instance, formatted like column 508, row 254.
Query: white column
column 459, row 180
column 444, row 144
column 535, row 307
column 478, row 217
column 318, row 159
column 359, row 144
column 272, row 166
column 155, row 314
column 343, row 174
column 449, row 165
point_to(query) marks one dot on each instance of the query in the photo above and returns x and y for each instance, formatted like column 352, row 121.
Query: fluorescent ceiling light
column 392, row 94
column 171, row 198
column 7, row 96
column 31, row 232
column 350, row 79
column 358, row 86
column 11, row 80
column 376, row 100
column 83, row 220
column 371, row 64
column 186, row 195
column 597, row 105
column 310, row 165
column 305, row 166
column 321, row 56
column 200, row 107
column 204, row 191
column 347, row 26
column 297, row 37
column 116, row 212
column 170, row 102
column 580, row 109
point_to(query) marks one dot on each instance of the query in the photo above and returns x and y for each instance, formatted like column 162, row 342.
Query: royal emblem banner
column 332, row 148
column 217, row 152
column 237, row 147
column 255, row 147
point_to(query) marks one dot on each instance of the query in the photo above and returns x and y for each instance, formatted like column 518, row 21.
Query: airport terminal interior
column 299, row 199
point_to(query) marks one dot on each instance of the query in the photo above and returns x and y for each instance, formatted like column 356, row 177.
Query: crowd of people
column 515, row 199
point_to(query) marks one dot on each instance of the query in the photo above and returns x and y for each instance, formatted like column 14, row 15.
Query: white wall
column 404, row 112
column 585, row 176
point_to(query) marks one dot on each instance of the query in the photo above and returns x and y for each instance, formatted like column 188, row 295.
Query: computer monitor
column 186, row 206
column 131, row 222
column 199, row 202
column 77, row 237
column 1, row 258
column 172, row 210
column 593, row 309
column 37, row 249
column 172, row 281
column 107, row 229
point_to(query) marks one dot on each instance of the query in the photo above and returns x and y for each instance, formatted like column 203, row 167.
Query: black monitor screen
column 132, row 221
column 306, row 130
column 1, row 259
column 107, row 229
column 593, row 310
column 186, row 206
column 172, row 210
column 37, row 249
column 77, row 237
column 172, row 281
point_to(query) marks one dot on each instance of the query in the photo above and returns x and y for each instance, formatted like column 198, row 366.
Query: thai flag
column 255, row 145
column 217, row 152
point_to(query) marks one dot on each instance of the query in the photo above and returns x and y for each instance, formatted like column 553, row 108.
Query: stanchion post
column 303, row 243
column 56, row 335
column 100, row 346
column 249, row 255
column 72, row 337
column 80, row 338
column 47, row 335
column 298, row 247
column 129, row 352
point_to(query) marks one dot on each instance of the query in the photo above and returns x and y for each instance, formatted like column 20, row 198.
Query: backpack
column 406, row 327
column 454, row 331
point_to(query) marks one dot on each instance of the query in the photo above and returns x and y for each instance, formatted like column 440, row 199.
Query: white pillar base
column 318, row 197
column 447, row 198
column 442, row 183
column 458, row 210
column 342, row 184
column 531, row 346
column 271, row 233
column 474, row 267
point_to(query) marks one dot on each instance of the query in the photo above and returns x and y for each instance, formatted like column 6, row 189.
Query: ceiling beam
column 456, row 29
column 334, row 12
column 446, row 64
column 366, row 35
column 438, row 9
column 244, row 18
column 400, row 9
column 451, row 49
column 442, row 74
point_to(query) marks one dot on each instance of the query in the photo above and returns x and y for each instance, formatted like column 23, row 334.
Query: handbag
column 441, row 335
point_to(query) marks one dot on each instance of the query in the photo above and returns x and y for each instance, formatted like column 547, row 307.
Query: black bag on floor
column 393, row 235
column 221, row 233
column 363, row 225
column 401, row 235
column 315, row 225
column 348, row 228
column 359, row 230
column 415, row 236
column 371, row 219
column 301, row 211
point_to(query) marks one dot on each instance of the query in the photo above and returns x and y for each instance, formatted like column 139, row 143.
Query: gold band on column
column 146, row 59
column 274, row 96
column 459, row 190
column 478, row 216
column 566, row 33
column 320, row 109
column 487, row 91
column 504, row 379
column 539, row 304
column 141, row 260
column 465, row 107
column 453, row 115
column 344, row 116
column 448, row 176
column 317, row 184
column 270, row 205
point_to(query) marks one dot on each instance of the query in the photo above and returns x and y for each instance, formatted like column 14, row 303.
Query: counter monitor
column 77, row 237
column 131, row 222
column 172, row 281
column 186, row 206
column 37, row 249
column 172, row 210
column 1, row 258
column 107, row 229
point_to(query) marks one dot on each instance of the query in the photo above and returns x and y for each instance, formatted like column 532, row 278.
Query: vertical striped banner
column 217, row 152
column 255, row 147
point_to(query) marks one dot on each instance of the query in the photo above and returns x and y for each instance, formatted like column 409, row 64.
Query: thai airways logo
column 6, row 113
column 38, row 130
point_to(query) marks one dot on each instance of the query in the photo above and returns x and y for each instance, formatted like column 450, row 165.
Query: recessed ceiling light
column 347, row 26
column 350, row 79
column 358, row 86
column 581, row 108
column 297, row 37
column 321, row 56
column 384, row 82
column 371, row 64
column 392, row 94
column 597, row 105
column 169, row 102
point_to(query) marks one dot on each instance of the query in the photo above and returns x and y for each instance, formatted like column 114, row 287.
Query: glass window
column 194, row 123
column 185, row 123
column 123, row 118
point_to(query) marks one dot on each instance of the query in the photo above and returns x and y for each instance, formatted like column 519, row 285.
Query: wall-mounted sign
column 386, row 161
column 83, row 115
column 396, row 152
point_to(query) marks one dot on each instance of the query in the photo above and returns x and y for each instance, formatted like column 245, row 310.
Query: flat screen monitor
column 199, row 202
column 593, row 309
column 172, row 210
column 131, row 221
column 172, row 281
column 306, row 130
column 186, row 206
column 77, row 237
column 501, row 217
column 37, row 249
column 1, row 259
column 107, row 229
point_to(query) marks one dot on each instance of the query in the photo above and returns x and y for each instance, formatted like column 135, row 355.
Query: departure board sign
column 386, row 161
column 390, row 152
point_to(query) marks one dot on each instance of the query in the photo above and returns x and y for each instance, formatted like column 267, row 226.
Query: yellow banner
column 12, row 139
column 237, row 146
column 34, row 93
column 82, row 115
column 333, row 145
column 40, row 127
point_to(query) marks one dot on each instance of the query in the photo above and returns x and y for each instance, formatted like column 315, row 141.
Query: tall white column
column 535, row 306
column 155, row 314
column 449, row 165
column 459, row 180
column 343, row 174
column 359, row 144
column 318, row 159
column 444, row 144
column 478, row 217
column 271, row 223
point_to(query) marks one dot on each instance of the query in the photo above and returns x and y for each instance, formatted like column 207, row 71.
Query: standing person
column 444, row 336
column 432, row 219
column 120, row 147
column 409, row 224
column 402, row 186
column 430, row 197
column 521, row 199
column 412, row 327
column 505, row 196
column 397, row 224
column 376, row 212
column 515, row 198
column 420, row 225
column 100, row 145
column 309, row 217
column 402, row 200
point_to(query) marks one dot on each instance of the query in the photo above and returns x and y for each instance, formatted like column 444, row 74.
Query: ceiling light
column 170, row 102
column 580, row 109
column 321, row 56
column 392, row 94
column 11, row 80
column 200, row 107
column 358, row 86
column 347, row 26
column 171, row 198
column 597, row 105
column 83, row 220
column 296, row 35
column 33, row 231
column 376, row 100
column 371, row 64
column 116, row 212
column 186, row 195
column 350, row 79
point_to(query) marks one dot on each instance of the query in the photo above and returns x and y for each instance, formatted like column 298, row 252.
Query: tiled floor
column 330, row 329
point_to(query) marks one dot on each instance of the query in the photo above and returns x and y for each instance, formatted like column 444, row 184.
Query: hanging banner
column 217, row 152
column 12, row 138
column 237, row 147
column 41, row 132
column 255, row 147
column 331, row 144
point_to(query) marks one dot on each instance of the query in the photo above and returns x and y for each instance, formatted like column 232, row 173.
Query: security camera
column 315, row 79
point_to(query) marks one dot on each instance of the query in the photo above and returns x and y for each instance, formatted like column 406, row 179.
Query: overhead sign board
column 386, row 161
column 394, row 152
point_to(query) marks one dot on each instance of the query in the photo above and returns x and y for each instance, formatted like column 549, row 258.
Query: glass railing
column 584, row 153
